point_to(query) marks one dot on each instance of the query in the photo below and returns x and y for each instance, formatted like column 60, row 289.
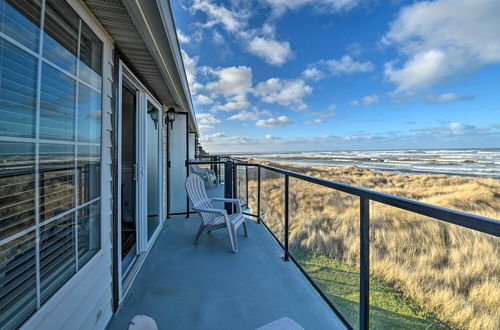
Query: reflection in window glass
column 57, row 105
column 89, row 115
column 90, row 57
column 68, row 140
column 57, row 182
column 17, row 187
column 57, row 254
column 17, row 91
column 60, row 41
column 20, row 20
column 88, row 232
column 17, row 280
column 89, row 168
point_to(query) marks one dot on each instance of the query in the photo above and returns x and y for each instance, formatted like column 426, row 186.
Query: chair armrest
column 229, row 200
column 217, row 211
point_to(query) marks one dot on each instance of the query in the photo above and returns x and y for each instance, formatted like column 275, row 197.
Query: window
column 50, row 152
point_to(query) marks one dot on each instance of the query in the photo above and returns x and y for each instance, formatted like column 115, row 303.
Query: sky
column 321, row 75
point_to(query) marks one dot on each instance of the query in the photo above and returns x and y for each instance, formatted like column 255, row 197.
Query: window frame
column 80, row 271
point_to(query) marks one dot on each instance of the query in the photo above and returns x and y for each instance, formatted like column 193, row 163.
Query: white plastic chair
column 212, row 218
column 208, row 175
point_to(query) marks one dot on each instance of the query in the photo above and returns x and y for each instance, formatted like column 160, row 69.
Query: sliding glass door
column 129, row 179
column 153, row 182
column 140, row 180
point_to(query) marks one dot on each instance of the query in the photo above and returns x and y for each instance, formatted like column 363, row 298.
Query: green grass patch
column 389, row 309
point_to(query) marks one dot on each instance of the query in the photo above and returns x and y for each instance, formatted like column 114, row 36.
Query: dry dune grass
column 451, row 272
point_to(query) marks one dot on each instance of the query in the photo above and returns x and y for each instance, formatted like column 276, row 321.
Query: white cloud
column 232, row 81
column 207, row 119
column 260, row 42
column 370, row 99
column 233, row 84
column 270, row 50
column 218, row 38
column 280, row 7
column 231, row 106
column 203, row 99
column 191, row 71
column 314, row 121
column 212, row 137
column 273, row 122
column 458, row 128
column 231, row 20
column 447, row 98
column 453, row 134
column 250, row 115
column 284, row 92
column 205, row 127
column 313, row 73
column 326, row 114
column 443, row 39
column 183, row 39
column 346, row 65
column 270, row 137
column 366, row 101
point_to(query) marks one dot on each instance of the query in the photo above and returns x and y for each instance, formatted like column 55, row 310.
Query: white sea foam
column 473, row 162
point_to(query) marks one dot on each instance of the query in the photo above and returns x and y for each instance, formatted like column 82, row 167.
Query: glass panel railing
column 324, row 240
column 241, row 185
column 429, row 274
column 272, row 206
column 252, row 175
column 380, row 266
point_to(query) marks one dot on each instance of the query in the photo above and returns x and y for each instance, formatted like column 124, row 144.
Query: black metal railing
column 475, row 222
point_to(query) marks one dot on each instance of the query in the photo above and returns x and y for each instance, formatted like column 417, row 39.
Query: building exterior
column 86, row 153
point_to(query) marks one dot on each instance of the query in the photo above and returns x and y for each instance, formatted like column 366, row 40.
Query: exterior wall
column 85, row 301
column 178, row 168
column 165, row 170
column 192, row 145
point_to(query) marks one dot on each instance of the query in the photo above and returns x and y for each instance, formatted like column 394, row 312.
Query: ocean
column 466, row 162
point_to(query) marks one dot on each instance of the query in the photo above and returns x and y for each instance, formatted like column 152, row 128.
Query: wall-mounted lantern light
column 170, row 117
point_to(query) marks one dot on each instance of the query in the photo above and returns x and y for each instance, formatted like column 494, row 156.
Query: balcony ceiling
column 142, row 32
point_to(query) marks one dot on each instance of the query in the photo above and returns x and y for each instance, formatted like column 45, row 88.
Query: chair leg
column 232, row 238
column 200, row 230
column 245, row 228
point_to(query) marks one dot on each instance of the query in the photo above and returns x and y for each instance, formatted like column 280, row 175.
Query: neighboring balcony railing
column 267, row 191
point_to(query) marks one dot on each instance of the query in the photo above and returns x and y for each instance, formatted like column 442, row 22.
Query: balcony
column 205, row 286
column 337, row 239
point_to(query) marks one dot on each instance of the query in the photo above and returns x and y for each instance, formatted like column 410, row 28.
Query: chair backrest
column 195, row 187
column 195, row 168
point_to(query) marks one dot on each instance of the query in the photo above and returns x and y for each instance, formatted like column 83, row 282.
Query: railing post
column 258, row 194
column 246, row 185
column 285, row 197
column 235, row 184
column 187, row 197
column 364, row 275
column 228, row 185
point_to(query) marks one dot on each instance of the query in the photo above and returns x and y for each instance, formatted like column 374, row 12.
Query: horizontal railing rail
column 467, row 220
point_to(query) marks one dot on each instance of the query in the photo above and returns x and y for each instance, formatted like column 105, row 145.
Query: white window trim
column 60, row 294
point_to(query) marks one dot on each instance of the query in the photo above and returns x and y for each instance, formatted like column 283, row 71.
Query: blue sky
column 306, row 75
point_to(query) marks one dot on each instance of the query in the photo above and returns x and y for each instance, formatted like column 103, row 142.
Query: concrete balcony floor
column 206, row 286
